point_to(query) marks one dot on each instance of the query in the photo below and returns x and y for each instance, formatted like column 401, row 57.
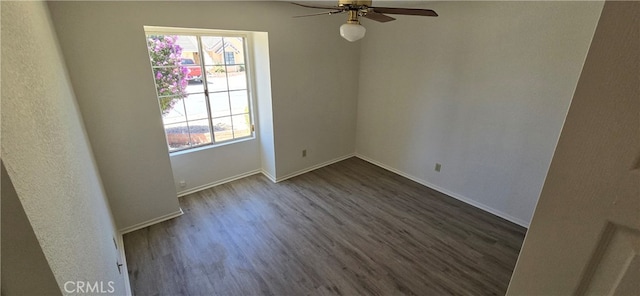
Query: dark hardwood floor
column 351, row 228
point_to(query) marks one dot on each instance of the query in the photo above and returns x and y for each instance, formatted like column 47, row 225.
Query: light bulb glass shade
column 352, row 32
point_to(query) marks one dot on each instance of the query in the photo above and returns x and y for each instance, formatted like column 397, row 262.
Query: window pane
column 177, row 136
column 175, row 60
column 192, row 116
column 235, row 47
column 200, row 132
column 216, row 78
column 196, row 107
column 237, row 79
column 172, row 110
column 192, row 71
column 222, row 129
column 219, row 104
column 164, row 50
column 239, row 101
column 241, row 126
column 229, row 58
column 188, row 49
column 170, row 81
column 194, row 86
column 236, row 68
column 212, row 47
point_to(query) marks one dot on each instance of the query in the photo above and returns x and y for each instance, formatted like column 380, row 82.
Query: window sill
column 207, row 147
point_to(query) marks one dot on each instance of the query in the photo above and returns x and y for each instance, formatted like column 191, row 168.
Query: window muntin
column 202, row 87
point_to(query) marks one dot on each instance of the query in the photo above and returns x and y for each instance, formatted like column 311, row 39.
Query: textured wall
column 46, row 154
column 483, row 89
column 25, row 270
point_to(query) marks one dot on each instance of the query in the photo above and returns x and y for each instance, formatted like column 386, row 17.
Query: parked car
column 195, row 72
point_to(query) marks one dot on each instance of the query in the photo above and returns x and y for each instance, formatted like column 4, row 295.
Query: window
column 202, row 87
column 229, row 58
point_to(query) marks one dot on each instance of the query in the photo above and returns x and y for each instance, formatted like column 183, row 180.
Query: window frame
column 250, row 82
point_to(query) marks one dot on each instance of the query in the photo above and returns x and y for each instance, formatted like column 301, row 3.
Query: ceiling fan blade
column 317, row 6
column 404, row 11
column 321, row 13
column 379, row 17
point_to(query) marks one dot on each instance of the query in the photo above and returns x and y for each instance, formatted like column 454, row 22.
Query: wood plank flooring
column 351, row 228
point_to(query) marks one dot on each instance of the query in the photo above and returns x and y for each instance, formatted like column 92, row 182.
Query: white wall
column 483, row 89
column 108, row 64
column 209, row 166
column 314, row 84
column 47, row 155
column 590, row 204
column 262, row 70
column 25, row 270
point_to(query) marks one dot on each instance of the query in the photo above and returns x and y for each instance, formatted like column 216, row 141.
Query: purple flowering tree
column 170, row 75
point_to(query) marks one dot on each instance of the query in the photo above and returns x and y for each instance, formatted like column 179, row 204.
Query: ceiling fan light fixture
column 352, row 31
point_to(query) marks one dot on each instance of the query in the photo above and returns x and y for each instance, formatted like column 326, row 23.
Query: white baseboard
column 466, row 200
column 124, row 269
column 218, row 182
column 315, row 167
column 151, row 222
column 269, row 176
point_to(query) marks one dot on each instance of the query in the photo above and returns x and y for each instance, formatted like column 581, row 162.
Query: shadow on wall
column 25, row 270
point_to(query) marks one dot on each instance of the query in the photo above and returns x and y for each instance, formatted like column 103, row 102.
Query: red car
column 195, row 72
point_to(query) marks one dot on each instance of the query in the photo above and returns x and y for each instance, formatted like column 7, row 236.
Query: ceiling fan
column 352, row 30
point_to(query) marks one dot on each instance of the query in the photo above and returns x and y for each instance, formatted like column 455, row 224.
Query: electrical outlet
column 304, row 153
column 183, row 184
column 438, row 167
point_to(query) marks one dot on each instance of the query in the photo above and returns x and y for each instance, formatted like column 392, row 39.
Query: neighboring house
column 218, row 52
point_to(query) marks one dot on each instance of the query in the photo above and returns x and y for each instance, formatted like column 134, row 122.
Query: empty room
column 320, row 147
